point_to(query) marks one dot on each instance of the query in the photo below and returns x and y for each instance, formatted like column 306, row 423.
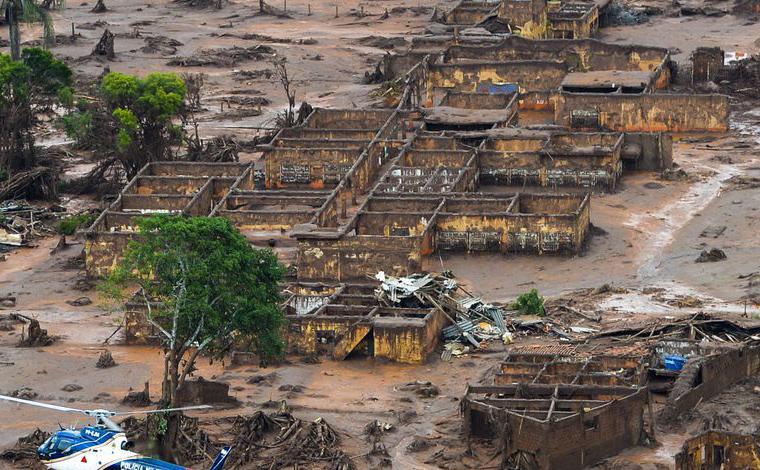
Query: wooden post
column 73, row 33
column 336, row 10
column 309, row 9
column 285, row 5
column 652, row 423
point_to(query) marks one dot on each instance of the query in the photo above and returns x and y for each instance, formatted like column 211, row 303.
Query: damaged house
column 569, row 405
column 555, row 426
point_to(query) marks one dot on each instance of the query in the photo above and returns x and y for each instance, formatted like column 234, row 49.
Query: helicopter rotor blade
column 42, row 405
column 105, row 421
column 166, row 410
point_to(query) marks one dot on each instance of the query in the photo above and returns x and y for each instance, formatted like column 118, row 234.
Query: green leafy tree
column 530, row 303
column 27, row 11
column 205, row 288
column 144, row 111
column 27, row 87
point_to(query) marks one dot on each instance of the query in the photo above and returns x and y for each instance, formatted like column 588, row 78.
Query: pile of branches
column 40, row 182
column 218, row 149
column 201, row 4
column 280, row 440
column 224, row 57
column 25, row 450
column 193, row 444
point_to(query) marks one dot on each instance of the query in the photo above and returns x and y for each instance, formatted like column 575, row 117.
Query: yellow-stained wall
column 648, row 112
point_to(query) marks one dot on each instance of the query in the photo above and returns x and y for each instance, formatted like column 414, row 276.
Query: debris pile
column 711, row 256
column 25, row 450
column 160, row 45
column 224, row 57
column 474, row 323
column 138, row 399
column 621, row 14
column 39, row 182
column 104, row 47
column 105, row 360
column 34, row 335
column 280, row 440
column 20, row 223
column 701, row 327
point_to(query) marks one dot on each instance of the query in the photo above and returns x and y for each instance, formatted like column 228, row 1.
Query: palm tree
column 27, row 11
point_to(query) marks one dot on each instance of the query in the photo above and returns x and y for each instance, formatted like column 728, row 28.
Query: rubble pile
column 474, row 323
column 701, row 326
column 280, row 440
column 25, row 450
column 224, row 57
column 20, row 223
column 34, row 335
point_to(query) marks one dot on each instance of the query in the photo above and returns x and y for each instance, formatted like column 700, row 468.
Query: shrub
column 71, row 224
column 530, row 303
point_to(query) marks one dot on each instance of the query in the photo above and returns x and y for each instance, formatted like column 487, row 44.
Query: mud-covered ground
column 653, row 230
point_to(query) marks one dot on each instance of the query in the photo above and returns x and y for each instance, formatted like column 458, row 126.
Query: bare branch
column 150, row 316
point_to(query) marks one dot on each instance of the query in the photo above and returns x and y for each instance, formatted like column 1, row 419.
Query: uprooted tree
column 28, row 87
column 205, row 289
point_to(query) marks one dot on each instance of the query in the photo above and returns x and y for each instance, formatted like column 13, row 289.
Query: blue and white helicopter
column 103, row 446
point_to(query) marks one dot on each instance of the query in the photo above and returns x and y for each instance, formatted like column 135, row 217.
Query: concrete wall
column 408, row 340
column 704, row 377
column 347, row 118
column 354, row 257
column 574, row 27
column 579, row 55
column 656, row 150
column 473, row 77
column 647, row 112
column 312, row 168
column 519, row 12
column 103, row 251
column 396, row 334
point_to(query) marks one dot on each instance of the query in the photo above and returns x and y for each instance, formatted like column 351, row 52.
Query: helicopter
column 104, row 445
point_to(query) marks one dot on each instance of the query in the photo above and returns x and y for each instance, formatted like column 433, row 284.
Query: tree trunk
column 168, row 441
column 14, row 35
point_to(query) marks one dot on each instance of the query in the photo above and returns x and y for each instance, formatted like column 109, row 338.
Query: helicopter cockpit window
column 56, row 444
column 63, row 444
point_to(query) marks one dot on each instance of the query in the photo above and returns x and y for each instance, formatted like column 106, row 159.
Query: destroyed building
column 346, row 319
column 531, row 18
column 555, row 426
column 600, row 392
column 719, row 449
column 478, row 122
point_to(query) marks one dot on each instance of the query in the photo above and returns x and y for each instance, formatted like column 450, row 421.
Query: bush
column 71, row 224
column 78, row 126
column 530, row 303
